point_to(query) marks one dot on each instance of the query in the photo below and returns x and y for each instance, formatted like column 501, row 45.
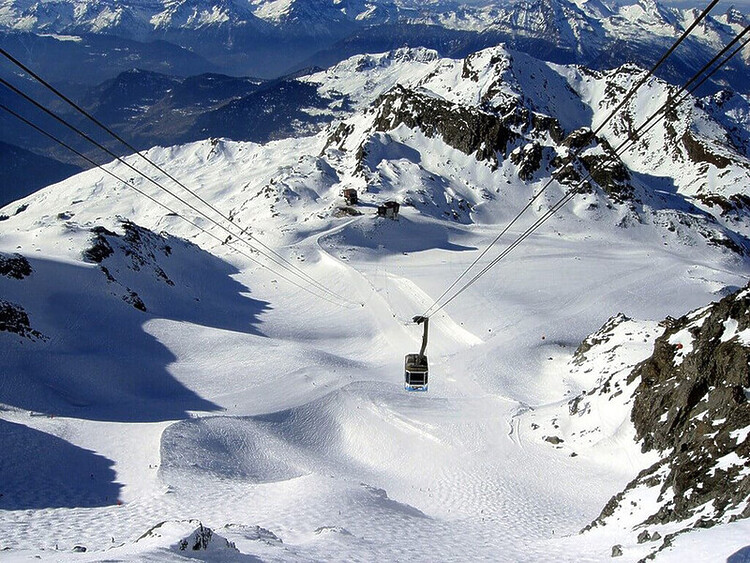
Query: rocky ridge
column 533, row 121
column 691, row 406
column 679, row 392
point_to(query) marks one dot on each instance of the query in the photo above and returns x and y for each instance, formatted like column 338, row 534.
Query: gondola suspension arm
column 426, row 321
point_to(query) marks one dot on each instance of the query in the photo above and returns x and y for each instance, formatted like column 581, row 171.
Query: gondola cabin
column 416, row 372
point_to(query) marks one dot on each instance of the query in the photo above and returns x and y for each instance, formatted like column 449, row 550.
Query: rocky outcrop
column 700, row 152
column 464, row 128
column 100, row 247
column 14, row 266
column 139, row 248
column 200, row 538
column 528, row 159
column 692, row 407
column 599, row 162
column 13, row 318
column 735, row 204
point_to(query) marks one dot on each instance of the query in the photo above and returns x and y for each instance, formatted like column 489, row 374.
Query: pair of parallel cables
column 673, row 101
column 282, row 267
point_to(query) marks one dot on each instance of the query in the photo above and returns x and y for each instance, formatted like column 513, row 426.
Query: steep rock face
column 469, row 130
column 600, row 163
column 679, row 392
column 691, row 407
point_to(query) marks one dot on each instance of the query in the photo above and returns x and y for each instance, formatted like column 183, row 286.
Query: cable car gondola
column 416, row 367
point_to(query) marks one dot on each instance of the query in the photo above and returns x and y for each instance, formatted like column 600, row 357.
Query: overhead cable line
column 336, row 298
column 299, row 272
column 156, row 201
column 663, row 58
column 646, row 126
column 678, row 97
column 559, row 172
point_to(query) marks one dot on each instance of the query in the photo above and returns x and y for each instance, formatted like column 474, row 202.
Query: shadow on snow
column 99, row 363
column 61, row 476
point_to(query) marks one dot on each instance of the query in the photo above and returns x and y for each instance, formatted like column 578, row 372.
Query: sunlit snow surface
column 238, row 400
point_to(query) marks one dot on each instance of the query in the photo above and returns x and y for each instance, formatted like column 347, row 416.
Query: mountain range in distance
column 89, row 42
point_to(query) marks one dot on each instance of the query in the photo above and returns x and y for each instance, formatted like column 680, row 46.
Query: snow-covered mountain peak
column 362, row 78
column 596, row 8
column 194, row 14
column 131, row 19
column 653, row 15
column 734, row 16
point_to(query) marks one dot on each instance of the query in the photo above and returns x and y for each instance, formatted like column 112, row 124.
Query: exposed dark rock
column 601, row 335
column 134, row 299
column 600, row 162
column 337, row 137
column 726, row 242
column 617, row 550
column 13, row 318
column 553, row 440
column 100, row 247
column 548, row 124
column 735, row 203
column 140, row 245
column 644, row 536
column 609, row 172
column 568, row 172
column 199, row 540
column 699, row 152
column 137, row 249
column 79, row 549
column 691, row 405
column 467, row 129
column 528, row 159
column 579, row 139
column 14, row 266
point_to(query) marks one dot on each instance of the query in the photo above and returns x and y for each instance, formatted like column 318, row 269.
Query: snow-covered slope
column 167, row 384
